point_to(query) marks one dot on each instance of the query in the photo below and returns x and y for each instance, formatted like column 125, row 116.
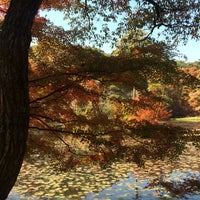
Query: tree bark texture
column 15, row 38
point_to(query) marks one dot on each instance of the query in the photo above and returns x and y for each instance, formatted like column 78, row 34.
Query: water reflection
column 133, row 188
column 168, row 179
column 163, row 154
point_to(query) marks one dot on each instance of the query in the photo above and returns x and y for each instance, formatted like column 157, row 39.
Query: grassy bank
column 186, row 119
column 192, row 123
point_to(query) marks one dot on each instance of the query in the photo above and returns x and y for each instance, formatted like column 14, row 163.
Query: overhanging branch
column 157, row 7
column 51, row 93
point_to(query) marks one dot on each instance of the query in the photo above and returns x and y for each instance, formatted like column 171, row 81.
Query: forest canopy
column 93, row 102
column 103, row 21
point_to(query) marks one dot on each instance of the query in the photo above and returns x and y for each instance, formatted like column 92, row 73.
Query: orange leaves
column 92, row 85
column 145, row 115
column 57, row 4
column 150, row 110
column 39, row 19
column 4, row 3
column 93, row 99
column 194, row 71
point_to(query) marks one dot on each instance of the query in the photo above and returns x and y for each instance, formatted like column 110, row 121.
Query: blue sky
column 191, row 50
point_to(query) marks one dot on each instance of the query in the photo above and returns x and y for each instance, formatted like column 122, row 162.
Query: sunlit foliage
column 79, row 93
column 183, row 98
column 92, row 102
column 93, row 19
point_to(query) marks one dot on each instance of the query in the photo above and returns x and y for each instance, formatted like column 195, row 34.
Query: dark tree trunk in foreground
column 15, row 38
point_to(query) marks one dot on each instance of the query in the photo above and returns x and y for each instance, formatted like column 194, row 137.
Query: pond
column 168, row 179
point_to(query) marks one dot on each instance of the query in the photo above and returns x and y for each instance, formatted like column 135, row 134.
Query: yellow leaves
column 4, row 2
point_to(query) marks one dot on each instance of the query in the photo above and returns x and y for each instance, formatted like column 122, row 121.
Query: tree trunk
column 15, row 38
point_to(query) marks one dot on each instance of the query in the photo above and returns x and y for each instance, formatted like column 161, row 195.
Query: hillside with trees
column 183, row 98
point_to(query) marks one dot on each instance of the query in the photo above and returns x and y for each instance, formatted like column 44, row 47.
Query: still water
column 169, row 179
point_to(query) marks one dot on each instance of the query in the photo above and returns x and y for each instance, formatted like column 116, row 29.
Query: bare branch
column 51, row 93
column 33, row 115
column 46, row 77
column 54, row 131
column 158, row 10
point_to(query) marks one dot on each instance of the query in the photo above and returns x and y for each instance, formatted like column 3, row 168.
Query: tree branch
column 54, row 131
column 51, row 93
column 157, row 7
column 40, row 116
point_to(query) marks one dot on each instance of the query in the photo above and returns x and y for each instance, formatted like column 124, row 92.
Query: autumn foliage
column 86, row 102
column 86, row 109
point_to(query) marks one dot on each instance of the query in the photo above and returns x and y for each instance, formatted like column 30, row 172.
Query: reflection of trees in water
column 177, row 177
column 136, row 189
column 83, row 180
column 179, row 186
column 150, row 153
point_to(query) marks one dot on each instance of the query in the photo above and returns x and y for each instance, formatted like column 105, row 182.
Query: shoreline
column 183, row 124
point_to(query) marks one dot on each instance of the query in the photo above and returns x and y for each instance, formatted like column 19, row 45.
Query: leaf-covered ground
column 178, row 179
